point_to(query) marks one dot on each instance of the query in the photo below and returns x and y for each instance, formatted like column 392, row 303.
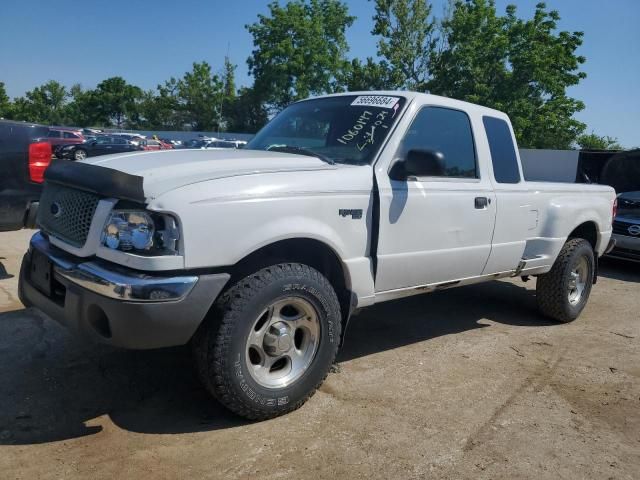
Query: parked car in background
column 100, row 146
column 132, row 137
column 25, row 153
column 59, row 137
column 151, row 144
column 194, row 143
column 91, row 131
column 225, row 144
column 174, row 143
column 626, row 227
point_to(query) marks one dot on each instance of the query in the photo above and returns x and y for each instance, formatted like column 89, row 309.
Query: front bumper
column 626, row 247
column 115, row 305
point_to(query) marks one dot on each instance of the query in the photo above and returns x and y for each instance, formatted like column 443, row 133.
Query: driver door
column 435, row 229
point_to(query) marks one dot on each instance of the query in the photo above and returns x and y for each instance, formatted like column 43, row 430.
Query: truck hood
column 163, row 171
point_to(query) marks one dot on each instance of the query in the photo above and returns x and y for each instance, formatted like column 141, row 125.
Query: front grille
column 67, row 213
column 622, row 228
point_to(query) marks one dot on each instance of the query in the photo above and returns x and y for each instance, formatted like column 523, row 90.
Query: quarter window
column 503, row 152
column 446, row 131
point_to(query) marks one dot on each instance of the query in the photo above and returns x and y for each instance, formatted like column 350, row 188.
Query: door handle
column 481, row 202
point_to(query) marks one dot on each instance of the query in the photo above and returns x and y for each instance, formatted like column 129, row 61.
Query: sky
column 148, row 41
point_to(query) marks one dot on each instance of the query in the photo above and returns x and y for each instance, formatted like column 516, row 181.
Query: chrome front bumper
column 111, row 281
column 115, row 305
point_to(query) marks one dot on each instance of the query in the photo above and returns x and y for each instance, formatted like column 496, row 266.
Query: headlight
column 141, row 232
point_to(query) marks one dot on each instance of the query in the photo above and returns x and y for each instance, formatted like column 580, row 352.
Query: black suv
column 25, row 153
column 626, row 227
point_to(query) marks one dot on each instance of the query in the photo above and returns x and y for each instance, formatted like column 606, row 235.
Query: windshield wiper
column 302, row 151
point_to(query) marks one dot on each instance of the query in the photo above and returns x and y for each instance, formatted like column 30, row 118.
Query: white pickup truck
column 259, row 256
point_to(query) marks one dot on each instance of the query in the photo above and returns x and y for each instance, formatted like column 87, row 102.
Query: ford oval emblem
column 56, row 209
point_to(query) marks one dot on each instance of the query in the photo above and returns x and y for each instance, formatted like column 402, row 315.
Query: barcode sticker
column 381, row 101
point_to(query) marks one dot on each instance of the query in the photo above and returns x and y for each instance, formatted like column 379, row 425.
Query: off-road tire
column 219, row 345
column 552, row 287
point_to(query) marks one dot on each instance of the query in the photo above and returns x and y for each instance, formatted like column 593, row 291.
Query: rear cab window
column 503, row 151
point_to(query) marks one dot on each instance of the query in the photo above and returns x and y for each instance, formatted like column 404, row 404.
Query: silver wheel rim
column 282, row 342
column 80, row 155
column 578, row 281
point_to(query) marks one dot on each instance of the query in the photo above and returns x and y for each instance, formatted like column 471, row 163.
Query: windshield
column 344, row 129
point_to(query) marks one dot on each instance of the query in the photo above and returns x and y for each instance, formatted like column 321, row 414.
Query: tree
column 370, row 75
column 592, row 141
column 116, row 102
column 161, row 110
column 200, row 96
column 407, row 41
column 300, row 50
column 246, row 112
column 229, row 78
column 44, row 104
column 5, row 102
column 522, row 67
column 82, row 109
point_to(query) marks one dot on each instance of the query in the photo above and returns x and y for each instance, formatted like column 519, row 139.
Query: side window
column 54, row 134
column 448, row 132
column 503, row 152
column 68, row 135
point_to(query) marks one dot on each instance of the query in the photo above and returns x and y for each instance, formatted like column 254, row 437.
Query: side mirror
column 93, row 143
column 419, row 163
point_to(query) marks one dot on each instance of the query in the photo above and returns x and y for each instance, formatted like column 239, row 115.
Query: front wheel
column 270, row 341
column 562, row 293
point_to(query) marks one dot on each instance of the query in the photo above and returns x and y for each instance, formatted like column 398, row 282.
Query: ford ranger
column 257, row 257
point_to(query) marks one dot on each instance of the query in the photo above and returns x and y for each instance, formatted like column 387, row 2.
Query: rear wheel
column 79, row 154
column 271, row 341
column 562, row 293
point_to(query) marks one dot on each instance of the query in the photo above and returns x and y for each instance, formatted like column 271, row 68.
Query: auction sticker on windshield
column 381, row 101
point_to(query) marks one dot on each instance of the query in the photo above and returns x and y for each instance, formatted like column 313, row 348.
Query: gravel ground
column 463, row 383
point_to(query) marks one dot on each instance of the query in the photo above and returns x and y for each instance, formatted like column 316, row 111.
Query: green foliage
column 43, row 104
column 299, row 50
column 229, row 78
column 245, row 112
column 160, row 110
column 370, row 75
column 591, row 141
column 407, row 41
column 116, row 102
column 522, row 67
column 199, row 94
column 5, row 102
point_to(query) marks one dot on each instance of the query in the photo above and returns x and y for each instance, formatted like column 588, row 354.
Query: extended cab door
column 435, row 229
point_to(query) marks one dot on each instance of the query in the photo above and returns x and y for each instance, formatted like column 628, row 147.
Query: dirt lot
column 464, row 383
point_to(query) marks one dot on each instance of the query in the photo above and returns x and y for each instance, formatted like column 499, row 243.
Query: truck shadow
column 56, row 388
